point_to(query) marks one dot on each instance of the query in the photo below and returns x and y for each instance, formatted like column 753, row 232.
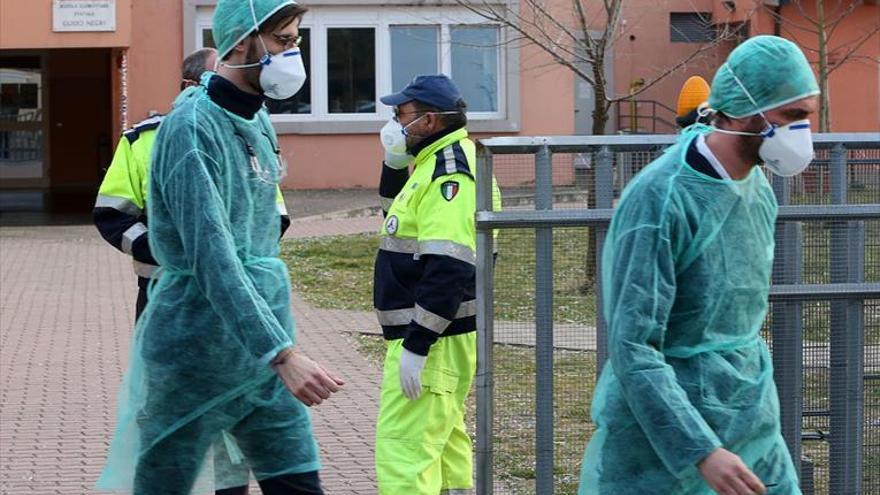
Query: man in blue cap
column 424, row 291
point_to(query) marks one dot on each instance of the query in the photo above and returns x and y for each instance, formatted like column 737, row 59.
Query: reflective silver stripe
column 281, row 208
column 145, row 270
column 155, row 119
column 429, row 320
column 457, row 491
column 395, row 317
column 466, row 309
column 449, row 248
column 131, row 235
column 386, row 202
column 121, row 204
column 398, row 245
column 449, row 156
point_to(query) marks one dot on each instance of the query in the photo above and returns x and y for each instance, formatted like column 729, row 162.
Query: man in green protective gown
column 686, row 403
column 214, row 368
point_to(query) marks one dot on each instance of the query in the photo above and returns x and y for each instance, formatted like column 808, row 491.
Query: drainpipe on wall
column 777, row 20
column 123, row 89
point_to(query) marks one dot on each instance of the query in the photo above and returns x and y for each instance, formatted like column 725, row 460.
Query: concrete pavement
column 66, row 311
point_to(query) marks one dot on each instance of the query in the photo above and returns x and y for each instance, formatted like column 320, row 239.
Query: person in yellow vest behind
column 424, row 291
column 120, row 209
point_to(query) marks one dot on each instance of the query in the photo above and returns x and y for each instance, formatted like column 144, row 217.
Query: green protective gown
column 199, row 371
column 686, row 275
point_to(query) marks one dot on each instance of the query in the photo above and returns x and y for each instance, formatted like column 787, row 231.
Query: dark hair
column 282, row 18
column 194, row 65
column 452, row 120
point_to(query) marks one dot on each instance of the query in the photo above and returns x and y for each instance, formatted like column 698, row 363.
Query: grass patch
column 333, row 272
column 573, row 289
column 337, row 273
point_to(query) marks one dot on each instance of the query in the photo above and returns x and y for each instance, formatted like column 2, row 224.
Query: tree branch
column 782, row 19
column 855, row 46
column 547, row 45
column 585, row 26
column 669, row 70
column 806, row 16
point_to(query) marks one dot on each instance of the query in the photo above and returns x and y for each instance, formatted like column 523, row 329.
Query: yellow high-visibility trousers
column 422, row 446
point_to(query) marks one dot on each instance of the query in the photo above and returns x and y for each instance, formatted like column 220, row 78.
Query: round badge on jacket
column 391, row 224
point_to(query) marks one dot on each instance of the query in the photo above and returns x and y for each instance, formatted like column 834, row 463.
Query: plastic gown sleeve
column 640, row 296
column 199, row 215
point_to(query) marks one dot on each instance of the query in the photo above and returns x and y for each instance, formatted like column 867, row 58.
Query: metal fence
column 542, row 339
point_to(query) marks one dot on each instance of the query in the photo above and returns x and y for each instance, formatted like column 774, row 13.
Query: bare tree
column 582, row 46
column 827, row 54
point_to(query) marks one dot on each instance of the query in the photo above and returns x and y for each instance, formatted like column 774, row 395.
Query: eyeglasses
column 398, row 113
column 288, row 41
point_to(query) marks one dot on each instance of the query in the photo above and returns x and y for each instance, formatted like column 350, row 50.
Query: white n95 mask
column 787, row 150
column 283, row 74
column 394, row 141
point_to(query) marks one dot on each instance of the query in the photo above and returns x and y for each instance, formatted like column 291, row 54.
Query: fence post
column 604, row 199
column 485, row 329
column 787, row 329
column 544, row 326
column 847, row 343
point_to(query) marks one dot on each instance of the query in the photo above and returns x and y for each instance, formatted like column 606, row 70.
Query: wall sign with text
column 83, row 15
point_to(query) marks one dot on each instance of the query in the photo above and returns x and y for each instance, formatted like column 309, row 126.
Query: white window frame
column 328, row 14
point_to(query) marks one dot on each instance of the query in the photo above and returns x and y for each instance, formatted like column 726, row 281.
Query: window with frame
column 691, row 27
column 355, row 55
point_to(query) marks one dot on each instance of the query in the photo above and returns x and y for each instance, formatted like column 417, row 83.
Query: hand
column 411, row 365
column 307, row 380
column 397, row 162
column 726, row 473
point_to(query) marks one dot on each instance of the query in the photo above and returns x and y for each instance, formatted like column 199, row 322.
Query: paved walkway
column 66, row 311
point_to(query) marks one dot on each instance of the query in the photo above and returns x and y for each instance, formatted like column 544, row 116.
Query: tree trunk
column 600, row 120
column 600, row 94
column 822, row 35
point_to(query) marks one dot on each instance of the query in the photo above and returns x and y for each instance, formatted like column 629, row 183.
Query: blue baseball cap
column 435, row 90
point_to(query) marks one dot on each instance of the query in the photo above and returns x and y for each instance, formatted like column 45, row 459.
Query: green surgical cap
column 234, row 20
column 773, row 70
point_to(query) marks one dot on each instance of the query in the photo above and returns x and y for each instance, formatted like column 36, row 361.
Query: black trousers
column 141, row 301
column 289, row 484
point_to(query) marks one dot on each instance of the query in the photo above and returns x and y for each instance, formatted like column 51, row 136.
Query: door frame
column 43, row 182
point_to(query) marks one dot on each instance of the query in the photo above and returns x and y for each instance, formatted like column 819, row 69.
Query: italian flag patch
column 449, row 189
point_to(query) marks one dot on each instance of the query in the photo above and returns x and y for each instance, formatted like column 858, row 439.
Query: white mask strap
column 736, row 133
column 256, row 30
column 746, row 91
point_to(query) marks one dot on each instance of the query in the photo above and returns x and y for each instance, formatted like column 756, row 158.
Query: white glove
column 397, row 162
column 411, row 365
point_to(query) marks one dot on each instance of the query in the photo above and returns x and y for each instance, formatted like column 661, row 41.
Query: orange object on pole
column 694, row 92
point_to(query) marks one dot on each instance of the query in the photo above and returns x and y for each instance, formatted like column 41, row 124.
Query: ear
column 242, row 45
column 432, row 121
